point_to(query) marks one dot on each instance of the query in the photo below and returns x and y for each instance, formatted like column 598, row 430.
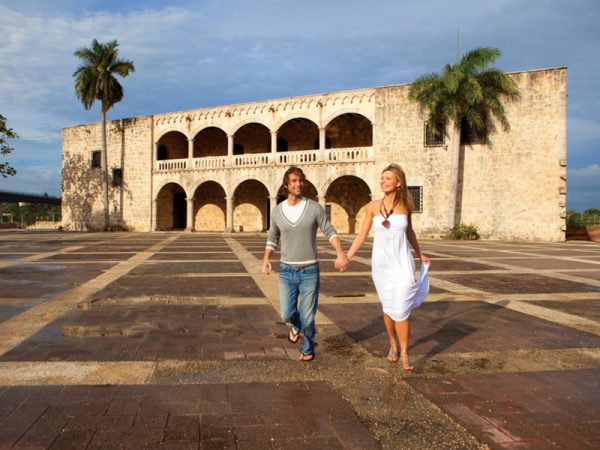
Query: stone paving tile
column 66, row 257
column 354, row 286
column 468, row 254
column 438, row 265
column 590, row 309
column 595, row 275
column 13, row 256
column 9, row 311
column 188, row 267
column 517, row 283
column 151, row 332
column 237, row 415
column 149, row 285
column 26, row 248
column 440, row 327
column 525, row 410
column 191, row 256
column 45, row 280
column 551, row 264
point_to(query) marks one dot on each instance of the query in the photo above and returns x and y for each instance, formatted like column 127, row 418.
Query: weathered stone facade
column 220, row 168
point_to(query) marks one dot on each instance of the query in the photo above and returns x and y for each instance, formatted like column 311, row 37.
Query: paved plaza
column 173, row 340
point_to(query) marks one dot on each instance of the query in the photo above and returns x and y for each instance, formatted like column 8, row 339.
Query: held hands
column 342, row 263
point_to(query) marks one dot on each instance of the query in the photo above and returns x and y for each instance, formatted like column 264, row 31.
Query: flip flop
column 293, row 335
column 306, row 357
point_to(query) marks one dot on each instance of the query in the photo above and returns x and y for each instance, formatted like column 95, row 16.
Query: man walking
column 295, row 222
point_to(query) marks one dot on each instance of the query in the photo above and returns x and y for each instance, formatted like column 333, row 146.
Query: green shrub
column 464, row 231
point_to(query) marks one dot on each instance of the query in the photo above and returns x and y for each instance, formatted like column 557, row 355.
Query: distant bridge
column 22, row 197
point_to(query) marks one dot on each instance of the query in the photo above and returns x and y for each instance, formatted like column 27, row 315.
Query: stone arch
column 175, row 143
column 300, row 133
column 171, row 207
column 342, row 111
column 347, row 197
column 251, row 206
column 348, row 130
column 206, row 125
column 242, row 123
column 253, row 137
column 162, row 184
column 210, row 207
column 210, row 141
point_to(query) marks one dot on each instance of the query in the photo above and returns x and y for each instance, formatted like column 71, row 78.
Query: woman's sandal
column 306, row 357
column 406, row 365
column 393, row 355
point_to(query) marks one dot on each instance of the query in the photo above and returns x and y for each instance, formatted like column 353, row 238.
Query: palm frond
column 479, row 58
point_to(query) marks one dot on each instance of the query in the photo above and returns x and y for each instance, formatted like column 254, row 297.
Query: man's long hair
column 286, row 176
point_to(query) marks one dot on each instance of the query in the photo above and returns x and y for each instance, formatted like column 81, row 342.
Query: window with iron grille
column 417, row 195
column 470, row 136
column 96, row 163
column 117, row 178
column 435, row 140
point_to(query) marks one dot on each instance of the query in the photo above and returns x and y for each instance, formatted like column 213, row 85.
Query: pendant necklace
column 385, row 214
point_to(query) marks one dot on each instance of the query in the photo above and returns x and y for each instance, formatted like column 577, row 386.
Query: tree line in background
column 25, row 214
column 590, row 216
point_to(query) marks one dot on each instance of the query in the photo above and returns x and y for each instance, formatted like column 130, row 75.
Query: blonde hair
column 403, row 197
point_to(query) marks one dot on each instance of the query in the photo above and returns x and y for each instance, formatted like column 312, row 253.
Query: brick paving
column 154, row 332
column 234, row 415
column 223, row 375
column 529, row 410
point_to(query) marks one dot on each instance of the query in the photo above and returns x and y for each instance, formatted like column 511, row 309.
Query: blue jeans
column 298, row 296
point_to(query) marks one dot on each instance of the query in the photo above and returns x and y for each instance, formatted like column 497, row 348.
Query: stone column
column 189, row 215
column 273, row 202
column 229, row 150
column 190, row 161
column 229, row 215
column 274, row 146
column 154, row 224
column 155, row 157
column 322, row 200
column 322, row 138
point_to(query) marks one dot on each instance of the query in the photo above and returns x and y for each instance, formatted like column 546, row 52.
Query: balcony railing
column 330, row 156
column 210, row 162
column 171, row 164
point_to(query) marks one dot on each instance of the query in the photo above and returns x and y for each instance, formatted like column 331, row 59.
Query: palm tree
column 95, row 80
column 469, row 90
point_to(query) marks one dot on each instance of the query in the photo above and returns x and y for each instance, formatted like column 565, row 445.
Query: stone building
column 220, row 169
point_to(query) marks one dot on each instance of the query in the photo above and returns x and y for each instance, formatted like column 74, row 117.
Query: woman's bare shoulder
column 373, row 206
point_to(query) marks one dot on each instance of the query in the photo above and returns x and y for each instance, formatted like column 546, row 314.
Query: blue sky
column 191, row 54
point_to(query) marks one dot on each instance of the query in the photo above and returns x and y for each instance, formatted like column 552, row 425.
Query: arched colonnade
column 245, row 206
column 214, row 145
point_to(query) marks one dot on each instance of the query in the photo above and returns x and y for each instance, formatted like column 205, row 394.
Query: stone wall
column 129, row 143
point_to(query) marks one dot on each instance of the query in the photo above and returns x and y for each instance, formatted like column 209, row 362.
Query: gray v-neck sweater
column 299, row 239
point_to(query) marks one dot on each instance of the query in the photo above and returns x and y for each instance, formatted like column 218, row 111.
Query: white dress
column 393, row 269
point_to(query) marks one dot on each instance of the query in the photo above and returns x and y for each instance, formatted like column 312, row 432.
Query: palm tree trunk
column 452, row 195
column 104, row 172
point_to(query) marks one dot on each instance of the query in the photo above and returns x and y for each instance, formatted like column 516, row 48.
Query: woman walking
column 392, row 265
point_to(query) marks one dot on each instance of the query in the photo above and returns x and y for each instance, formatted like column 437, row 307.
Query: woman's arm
column 361, row 237
column 412, row 239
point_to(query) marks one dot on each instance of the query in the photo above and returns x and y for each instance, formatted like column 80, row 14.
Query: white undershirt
column 293, row 213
